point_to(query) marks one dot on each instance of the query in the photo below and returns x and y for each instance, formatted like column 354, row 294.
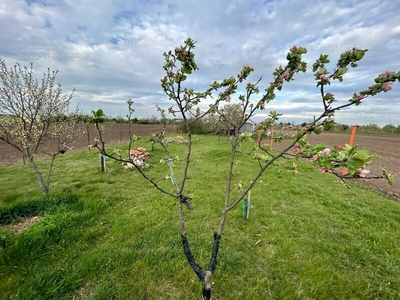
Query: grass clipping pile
column 23, row 224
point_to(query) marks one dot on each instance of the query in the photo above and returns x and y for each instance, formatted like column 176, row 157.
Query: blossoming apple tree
column 180, row 64
column 33, row 113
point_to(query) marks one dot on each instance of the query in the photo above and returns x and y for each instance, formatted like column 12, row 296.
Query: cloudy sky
column 111, row 51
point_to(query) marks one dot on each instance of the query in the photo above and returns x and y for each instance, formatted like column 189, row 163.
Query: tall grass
column 112, row 236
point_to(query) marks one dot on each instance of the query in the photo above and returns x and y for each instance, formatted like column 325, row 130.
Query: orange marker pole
column 351, row 142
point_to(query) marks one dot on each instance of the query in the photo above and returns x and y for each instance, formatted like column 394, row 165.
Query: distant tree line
column 369, row 129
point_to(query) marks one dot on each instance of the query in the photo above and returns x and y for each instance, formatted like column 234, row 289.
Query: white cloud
column 112, row 51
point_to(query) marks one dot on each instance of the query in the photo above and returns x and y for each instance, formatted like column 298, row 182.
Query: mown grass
column 113, row 236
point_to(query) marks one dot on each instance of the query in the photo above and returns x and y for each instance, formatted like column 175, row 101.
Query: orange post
column 351, row 142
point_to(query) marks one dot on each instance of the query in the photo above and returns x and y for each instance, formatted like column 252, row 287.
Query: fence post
column 88, row 136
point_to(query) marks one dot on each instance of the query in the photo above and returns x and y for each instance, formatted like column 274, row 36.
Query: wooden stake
column 272, row 136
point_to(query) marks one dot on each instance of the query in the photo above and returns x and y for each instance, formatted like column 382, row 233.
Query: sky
column 111, row 51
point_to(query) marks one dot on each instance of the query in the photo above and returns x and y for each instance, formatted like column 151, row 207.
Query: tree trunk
column 206, row 292
column 43, row 186
column 102, row 162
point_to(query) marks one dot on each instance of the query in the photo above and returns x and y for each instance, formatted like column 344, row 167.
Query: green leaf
column 324, row 58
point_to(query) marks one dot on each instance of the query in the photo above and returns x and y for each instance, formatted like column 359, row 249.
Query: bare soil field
column 387, row 147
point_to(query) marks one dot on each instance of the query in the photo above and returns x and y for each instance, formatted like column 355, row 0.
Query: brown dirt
column 24, row 224
column 384, row 146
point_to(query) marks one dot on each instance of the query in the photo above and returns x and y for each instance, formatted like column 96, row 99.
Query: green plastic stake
column 245, row 207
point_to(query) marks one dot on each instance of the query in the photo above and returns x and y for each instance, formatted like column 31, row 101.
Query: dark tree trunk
column 205, row 277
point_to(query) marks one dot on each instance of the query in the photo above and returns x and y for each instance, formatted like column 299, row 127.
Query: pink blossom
column 186, row 53
column 326, row 151
column 162, row 79
column 177, row 49
column 386, row 74
column 299, row 150
column 387, row 86
column 294, row 48
column 322, row 170
column 324, row 78
column 315, row 157
column 360, row 97
column 330, row 95
column 362, row 172
column 330, row 119
column 340, row 146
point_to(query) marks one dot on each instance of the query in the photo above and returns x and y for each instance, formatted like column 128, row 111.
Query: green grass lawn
column 113, row 236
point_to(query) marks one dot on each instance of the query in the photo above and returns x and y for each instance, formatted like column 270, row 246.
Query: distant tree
column 389, row 128
column 229, row 117
column 370, row 128
column 34, row 113
column 345, row 127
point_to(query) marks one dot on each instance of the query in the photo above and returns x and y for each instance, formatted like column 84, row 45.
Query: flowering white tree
column 34, row 113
